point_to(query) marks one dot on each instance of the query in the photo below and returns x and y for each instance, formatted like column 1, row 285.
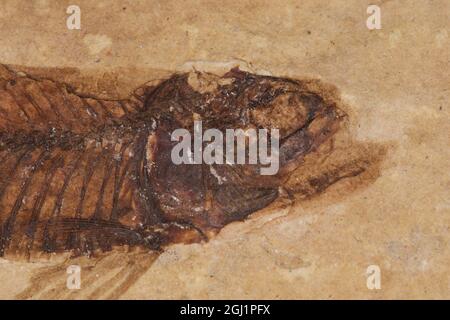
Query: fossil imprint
column 83, row 174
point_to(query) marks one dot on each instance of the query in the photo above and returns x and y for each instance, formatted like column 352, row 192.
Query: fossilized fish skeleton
column 81, row 174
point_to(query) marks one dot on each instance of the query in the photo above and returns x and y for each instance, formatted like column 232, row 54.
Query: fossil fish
column 82, row 174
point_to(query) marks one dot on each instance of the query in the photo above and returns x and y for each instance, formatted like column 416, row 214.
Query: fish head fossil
column 212, row 194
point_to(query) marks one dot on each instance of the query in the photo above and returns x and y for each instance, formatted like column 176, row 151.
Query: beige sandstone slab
column 395, row 79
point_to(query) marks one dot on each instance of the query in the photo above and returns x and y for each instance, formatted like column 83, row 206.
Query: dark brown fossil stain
column 86, row 175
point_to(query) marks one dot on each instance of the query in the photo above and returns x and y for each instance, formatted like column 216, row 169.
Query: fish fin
column 108, row 276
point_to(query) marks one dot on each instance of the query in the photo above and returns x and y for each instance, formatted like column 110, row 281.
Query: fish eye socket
column 285, row 111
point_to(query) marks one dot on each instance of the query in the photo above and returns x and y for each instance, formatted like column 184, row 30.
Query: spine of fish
column 71, row 169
